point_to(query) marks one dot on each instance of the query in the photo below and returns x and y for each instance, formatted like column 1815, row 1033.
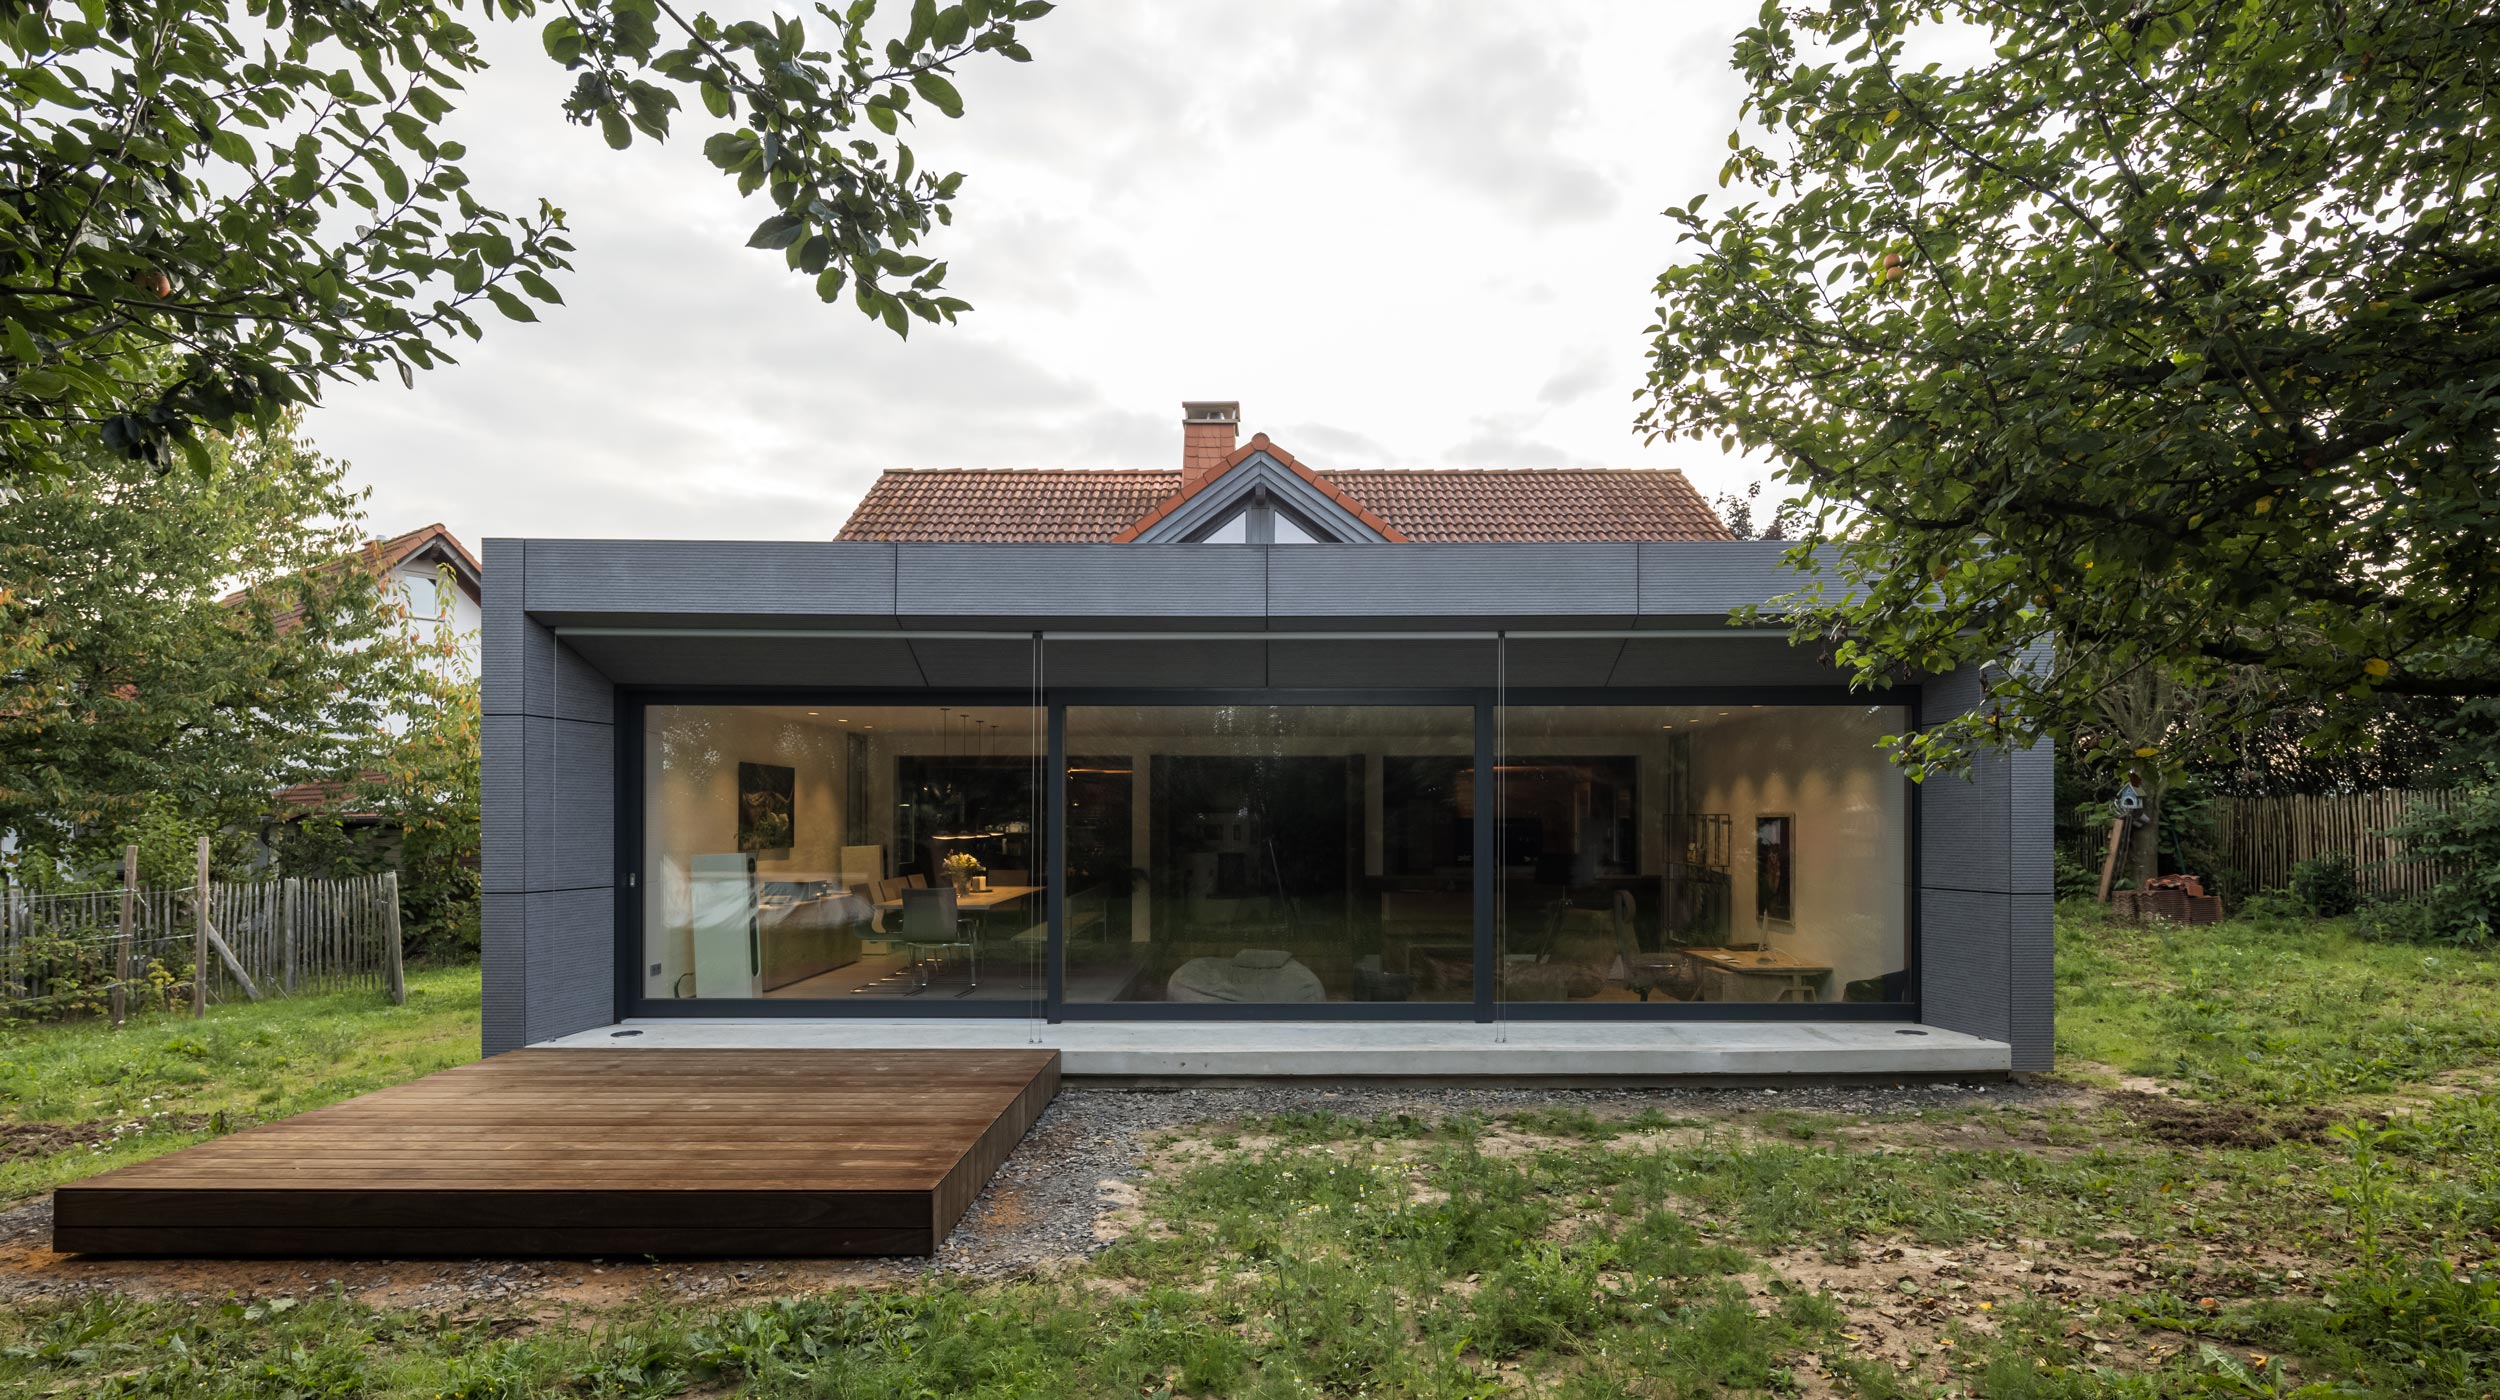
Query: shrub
column 2074, row 879
column 2465, row 907
column 2327, row 886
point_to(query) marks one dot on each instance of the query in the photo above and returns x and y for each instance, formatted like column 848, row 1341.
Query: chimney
column 1207, row 432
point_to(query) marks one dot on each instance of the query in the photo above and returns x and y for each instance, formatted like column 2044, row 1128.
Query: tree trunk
column 2144, row 842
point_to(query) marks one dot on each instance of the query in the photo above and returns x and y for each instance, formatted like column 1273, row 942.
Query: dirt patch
column 51, row 1139
column 1906, row 1304
column 2189, row 1123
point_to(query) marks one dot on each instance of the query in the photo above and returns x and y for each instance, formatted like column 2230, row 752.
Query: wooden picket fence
column 2267, row 837
column 94, row 952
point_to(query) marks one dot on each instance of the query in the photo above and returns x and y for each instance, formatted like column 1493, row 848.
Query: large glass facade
column 1702, row 853
column 1275, row 855
column 843, row 852
column 1270, row 854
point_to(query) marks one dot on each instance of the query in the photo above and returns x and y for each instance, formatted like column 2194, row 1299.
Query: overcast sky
column 1401, row 232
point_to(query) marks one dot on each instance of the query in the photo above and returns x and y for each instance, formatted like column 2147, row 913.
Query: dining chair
column 931, row 923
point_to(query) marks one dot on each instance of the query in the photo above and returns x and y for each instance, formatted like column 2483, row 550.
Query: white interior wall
column 1851, row 837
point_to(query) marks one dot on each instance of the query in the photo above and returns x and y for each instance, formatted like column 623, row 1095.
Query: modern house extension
column 1249, row 766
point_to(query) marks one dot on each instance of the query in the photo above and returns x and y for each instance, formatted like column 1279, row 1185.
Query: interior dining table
column 974, row 900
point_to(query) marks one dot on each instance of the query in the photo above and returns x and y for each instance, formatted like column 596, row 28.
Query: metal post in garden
column 121, row 941
column 199, row 937
column 397, row 969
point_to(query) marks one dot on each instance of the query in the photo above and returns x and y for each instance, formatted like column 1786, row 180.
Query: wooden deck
column 618, row 1153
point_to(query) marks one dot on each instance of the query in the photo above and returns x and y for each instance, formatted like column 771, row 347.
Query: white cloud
column 1399, row 232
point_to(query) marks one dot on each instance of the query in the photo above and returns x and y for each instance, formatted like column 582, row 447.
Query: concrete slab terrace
column 1719, row 1051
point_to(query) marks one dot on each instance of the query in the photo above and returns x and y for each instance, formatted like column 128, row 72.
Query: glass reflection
column 841, row 852
column 1269, row 854
column 1702, row 854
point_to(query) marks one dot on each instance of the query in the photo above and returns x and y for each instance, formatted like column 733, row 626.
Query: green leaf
column 779, row 231
column 234, row 146
column 511, row 306
column 563, row 39
column 44, row 85
column 716, row 100
column 938, row 92
column 618, row 131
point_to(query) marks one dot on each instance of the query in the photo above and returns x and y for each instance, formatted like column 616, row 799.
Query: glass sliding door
column 1272, row 855
column 843, row 852
column 1702, row 853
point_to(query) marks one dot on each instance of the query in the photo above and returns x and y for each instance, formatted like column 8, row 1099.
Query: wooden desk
column 1785, row 977
column 974, row 901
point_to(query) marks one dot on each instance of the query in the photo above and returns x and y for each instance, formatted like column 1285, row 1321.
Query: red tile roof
column 1537, row 503
column 1005, row 507
column 1432, row 505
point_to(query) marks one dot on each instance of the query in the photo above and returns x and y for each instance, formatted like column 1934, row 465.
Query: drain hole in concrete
column 620, row 1035
column 1895, row 1032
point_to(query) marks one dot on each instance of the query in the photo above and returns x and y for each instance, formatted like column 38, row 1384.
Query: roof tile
column 1434, row 505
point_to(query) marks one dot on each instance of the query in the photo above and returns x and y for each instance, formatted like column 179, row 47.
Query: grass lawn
column 2306, row 1202
column 80, row 1098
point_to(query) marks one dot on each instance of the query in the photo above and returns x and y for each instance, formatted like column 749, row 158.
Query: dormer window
column 1260, row 520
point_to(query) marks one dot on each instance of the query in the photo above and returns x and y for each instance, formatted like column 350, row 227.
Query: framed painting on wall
column 1774, row 869
column 765, row 808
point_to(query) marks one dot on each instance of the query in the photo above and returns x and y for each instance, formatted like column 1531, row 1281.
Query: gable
column 1261, row 476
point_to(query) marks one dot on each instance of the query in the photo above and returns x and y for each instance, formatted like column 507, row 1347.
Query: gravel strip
column 1041, row 1207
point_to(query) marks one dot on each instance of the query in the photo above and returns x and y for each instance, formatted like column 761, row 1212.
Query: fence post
column 286, row 932
column 390, row 931
column 121, row 940
column 199, row 936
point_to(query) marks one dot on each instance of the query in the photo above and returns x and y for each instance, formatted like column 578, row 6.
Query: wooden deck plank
column 592, row 1152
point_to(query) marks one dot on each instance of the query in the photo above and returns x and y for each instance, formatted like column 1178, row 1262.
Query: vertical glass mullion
column 1055, row 993
column 1483, row 856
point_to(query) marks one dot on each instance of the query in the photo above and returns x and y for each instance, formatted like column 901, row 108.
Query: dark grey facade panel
column 569, row 687
column 2032, row 980
column 503, row 789
column 950, row 663
column 1966, row 826
column 1385, row 665
column 1483, row 584
column 573, row 834
column 504, row 939
column 975, row 585
column 1155, row 665
column 758, row 578
column 729, row 659
column 571, row 973
column 1965, row 963
column 1709, row 579
column 2032, row 835
column 501, row 665
column 1561, row 663
column 1734, row 660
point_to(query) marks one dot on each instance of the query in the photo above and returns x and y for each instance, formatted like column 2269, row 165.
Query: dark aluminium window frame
column 630, row 1001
